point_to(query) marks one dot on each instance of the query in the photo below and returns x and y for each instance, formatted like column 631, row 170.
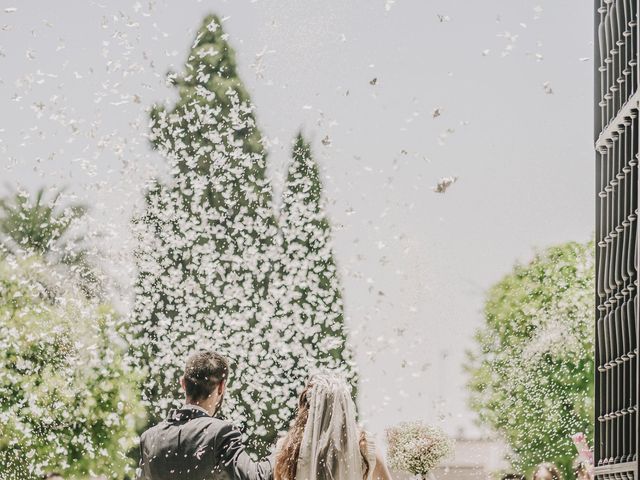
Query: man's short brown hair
column 205, row 370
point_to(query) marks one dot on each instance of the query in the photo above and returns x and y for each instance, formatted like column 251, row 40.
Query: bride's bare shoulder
column 367, row 440
column 374, row 456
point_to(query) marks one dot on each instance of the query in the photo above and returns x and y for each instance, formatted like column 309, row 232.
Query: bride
column 324, row 442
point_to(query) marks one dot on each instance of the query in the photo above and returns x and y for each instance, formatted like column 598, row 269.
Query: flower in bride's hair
column 417, row 448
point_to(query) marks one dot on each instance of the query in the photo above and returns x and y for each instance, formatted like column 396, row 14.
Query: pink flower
column 584, row 452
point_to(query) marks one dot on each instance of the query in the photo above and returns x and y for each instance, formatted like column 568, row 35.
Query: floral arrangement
column 417, row 448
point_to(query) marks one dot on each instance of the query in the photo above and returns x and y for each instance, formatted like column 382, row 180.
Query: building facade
column 616, row 143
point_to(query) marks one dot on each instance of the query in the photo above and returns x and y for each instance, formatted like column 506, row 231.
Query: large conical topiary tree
column 207, row 238
column 308, row 284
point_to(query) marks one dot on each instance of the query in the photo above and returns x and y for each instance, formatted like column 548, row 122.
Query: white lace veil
column 330, row 448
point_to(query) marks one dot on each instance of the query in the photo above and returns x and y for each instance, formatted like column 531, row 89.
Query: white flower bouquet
column 417, row 448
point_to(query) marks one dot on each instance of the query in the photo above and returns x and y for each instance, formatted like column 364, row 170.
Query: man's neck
column 199, row 406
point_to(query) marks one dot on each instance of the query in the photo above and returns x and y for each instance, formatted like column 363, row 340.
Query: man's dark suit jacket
column 191, row 445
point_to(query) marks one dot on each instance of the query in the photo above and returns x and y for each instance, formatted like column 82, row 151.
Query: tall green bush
column 68, row 400
column 531, row 373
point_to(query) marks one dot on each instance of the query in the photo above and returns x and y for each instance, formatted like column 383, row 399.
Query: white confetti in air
column 444, row 183
column 537, row 12
column 258, row 65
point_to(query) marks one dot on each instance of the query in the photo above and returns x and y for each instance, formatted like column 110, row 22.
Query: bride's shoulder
column 368, row 444
column 367, row 436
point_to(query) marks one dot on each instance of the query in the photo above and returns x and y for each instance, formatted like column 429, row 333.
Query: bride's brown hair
column 287, row 457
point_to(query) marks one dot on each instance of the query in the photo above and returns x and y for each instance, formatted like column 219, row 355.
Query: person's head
column 205, row 378
column 546, row 471
column 287, row 458
column 52, row 476
column 581, row 470
column 513, row 476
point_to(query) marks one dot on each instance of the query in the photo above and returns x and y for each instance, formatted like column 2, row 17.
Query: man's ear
column 221, row 387
column 182, row 384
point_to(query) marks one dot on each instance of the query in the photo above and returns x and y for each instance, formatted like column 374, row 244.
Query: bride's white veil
column 330, row 448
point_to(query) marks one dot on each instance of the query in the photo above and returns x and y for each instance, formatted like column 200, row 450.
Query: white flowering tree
column 68, row 400
column 531, row 373
column 209, row 258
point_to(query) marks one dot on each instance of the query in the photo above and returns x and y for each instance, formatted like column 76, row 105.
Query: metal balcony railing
column 616, row 142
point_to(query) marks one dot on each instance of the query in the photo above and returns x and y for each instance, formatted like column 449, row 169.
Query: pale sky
column 77, row 76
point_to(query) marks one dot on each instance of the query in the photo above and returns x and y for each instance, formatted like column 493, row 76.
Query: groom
column 192, row 444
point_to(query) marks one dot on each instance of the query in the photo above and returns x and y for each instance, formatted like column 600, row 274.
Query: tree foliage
column 308, row 284
column 531, row 373
column 307, row 328
column 68, row 400
column 211, row 261
column 42, row 225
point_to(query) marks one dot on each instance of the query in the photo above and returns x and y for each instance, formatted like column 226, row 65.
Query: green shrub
column 531, row 374
column 68, row 400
